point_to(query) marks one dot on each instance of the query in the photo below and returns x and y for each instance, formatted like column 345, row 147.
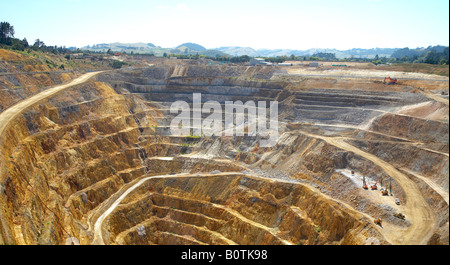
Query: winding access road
column 416, row 208
column 110, row 204
column 12, row 112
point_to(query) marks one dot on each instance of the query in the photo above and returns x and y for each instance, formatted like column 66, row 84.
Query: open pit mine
column 91, row 159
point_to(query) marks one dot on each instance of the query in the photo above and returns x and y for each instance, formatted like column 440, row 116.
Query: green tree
column 17, row 44
column 38, row 44
column 432, row 57
column 25, row 43
column 117, row 64
column 6, row 32
column 325, row 56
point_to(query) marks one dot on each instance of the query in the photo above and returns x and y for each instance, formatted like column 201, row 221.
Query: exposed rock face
column 233, row 209
column 22, row 76
column 58, row 148
column 68, row 159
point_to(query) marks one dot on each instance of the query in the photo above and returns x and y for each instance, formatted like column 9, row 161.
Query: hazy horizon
column 259, row 48
column 283, row 24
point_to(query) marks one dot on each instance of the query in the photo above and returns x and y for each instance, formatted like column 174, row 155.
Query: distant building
column 77, row 55
column 258, row 61
column 314, row 64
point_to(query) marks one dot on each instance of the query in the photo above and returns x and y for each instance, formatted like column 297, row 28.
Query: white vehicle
column 397, row 201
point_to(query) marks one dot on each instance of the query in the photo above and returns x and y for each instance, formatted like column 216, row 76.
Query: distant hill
column 192, row 46
column 418, row 52
column 193, row 49
column 123, row 47
column 149, row 48
column 239, row 51
column 358, row 53
column 213, row 53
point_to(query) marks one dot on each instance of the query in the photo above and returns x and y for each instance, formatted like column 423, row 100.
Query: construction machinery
column 374, row 186
column 400, row 216
column 390, row 81
column 365, row 184
column 385, row 192
column 390, row 187
column 378, row 221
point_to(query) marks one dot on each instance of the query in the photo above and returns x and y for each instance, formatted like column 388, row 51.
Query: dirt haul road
column 112, row 202
column 435, row 97
column 10, row 113
column 415, row 208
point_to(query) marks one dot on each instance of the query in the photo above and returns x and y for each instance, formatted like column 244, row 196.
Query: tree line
column 7, row 40
column 429, row 55
column 221, row 58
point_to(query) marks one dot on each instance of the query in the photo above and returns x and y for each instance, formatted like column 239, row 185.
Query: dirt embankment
column 24, row 75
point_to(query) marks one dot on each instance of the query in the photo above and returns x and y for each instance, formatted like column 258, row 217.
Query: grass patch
column 318, row 229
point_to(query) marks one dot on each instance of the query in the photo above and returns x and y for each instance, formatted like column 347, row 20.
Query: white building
column 258, row 61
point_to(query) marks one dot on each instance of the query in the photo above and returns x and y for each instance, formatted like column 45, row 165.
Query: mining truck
column 400, row 216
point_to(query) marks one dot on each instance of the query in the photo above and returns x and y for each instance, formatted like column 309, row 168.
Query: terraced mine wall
column 368, row 119
column 16, row 87
column 68, row 159
column 69, row 154
column 231, row 210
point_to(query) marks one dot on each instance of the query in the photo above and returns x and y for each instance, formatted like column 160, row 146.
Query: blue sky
column 282, row 24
